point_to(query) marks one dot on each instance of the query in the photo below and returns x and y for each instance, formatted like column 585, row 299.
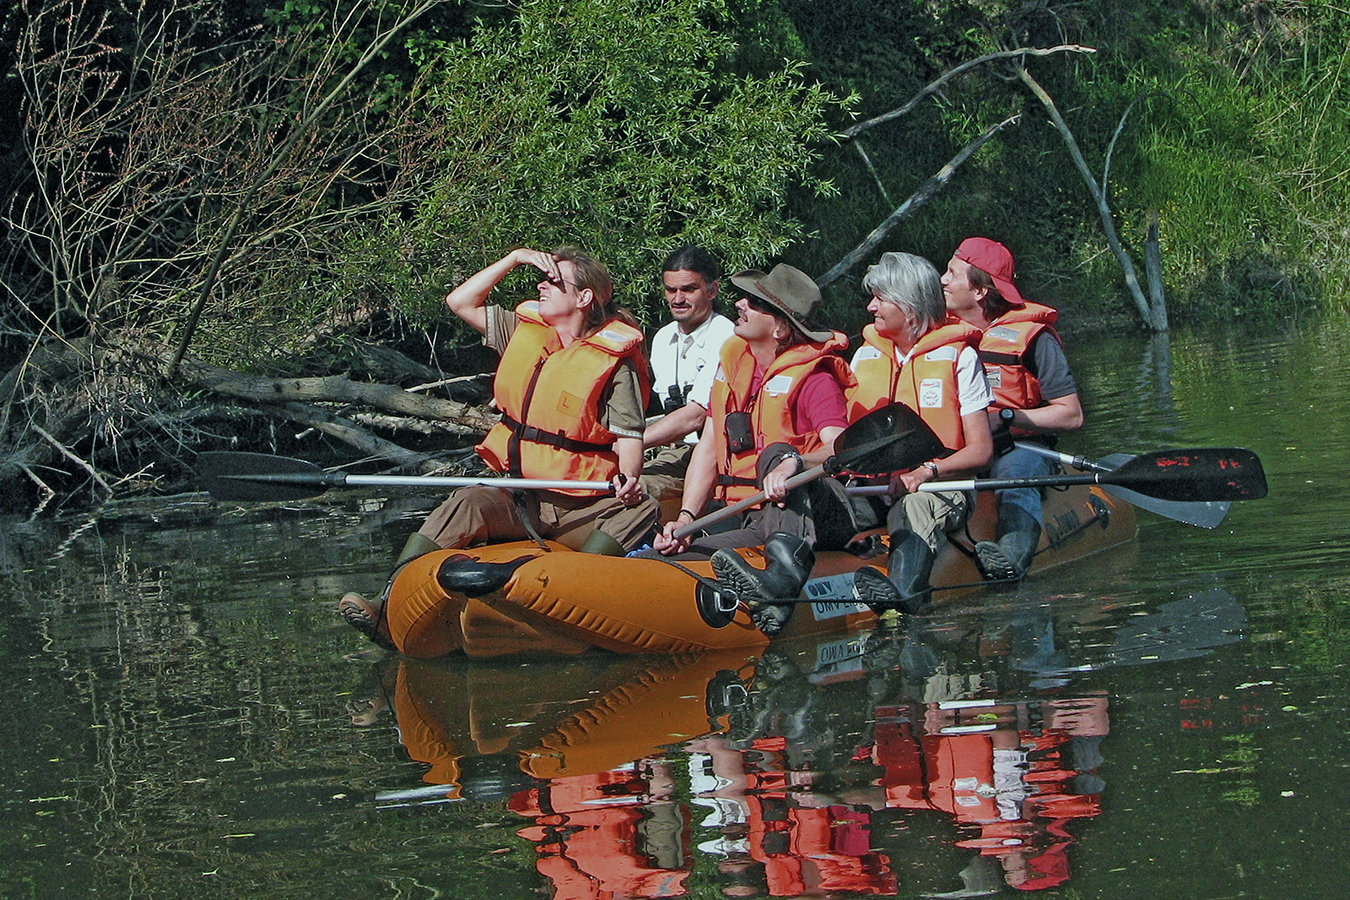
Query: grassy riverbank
column 1227, row 120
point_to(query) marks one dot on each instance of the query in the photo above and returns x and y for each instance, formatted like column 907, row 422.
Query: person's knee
column 462, row 520
column 1026, row 500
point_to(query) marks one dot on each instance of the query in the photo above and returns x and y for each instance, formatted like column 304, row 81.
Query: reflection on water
column 187, row 715
column 792, row 772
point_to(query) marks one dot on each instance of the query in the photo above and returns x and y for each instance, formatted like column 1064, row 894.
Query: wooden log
column 335, row 389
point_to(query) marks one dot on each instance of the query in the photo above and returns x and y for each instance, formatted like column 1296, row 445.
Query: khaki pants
column 663, row 474
column 478, row 515
column 931, row 516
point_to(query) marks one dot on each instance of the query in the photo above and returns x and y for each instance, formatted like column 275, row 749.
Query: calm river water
column 188, row 716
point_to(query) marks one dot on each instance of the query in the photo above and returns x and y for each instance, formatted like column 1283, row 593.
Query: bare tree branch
column 209, row 279
column 937, row 84
column 1104, row 211
column 915, row 200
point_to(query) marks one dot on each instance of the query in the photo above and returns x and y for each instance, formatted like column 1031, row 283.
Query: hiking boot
column 1009, row 558
column 904, row 587
column 365, row 617
column 789, row 561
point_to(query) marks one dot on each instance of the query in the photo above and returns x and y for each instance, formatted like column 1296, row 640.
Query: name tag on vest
column 778, row 384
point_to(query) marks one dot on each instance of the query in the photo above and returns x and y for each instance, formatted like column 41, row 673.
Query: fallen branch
column 917, row 199
column 45, row 493
column 335, row 389
column 349, row 432
column 68, row 454
column 413, row 424
column 936, row 85
column 1103, row 210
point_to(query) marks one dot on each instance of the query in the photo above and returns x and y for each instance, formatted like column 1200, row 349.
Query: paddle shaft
column 727, row 512
column 987, row 484
column 342, row 479
column 1078, row 462
column 489, row 481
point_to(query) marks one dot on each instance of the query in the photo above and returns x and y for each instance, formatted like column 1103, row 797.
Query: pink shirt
column 819, row 404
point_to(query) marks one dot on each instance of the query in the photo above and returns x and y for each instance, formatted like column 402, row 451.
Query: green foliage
column 1232, row 123
column 613, row 124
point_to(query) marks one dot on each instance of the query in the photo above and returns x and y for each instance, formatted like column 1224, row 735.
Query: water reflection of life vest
column 802, row 849
column 950, row 773
column 603, row 835
column 958, row 774
column 815, row 849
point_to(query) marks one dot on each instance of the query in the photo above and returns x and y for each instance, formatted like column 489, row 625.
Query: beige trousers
column 478, row 515
column 663, row 474
column 931, row 516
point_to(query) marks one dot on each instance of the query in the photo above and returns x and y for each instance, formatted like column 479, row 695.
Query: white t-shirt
column 972, row 387
column 689, row 362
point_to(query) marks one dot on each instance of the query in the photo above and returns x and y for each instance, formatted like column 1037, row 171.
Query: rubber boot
column 601, row 544
column 789, row 561
column 1009, row 558
column 905, row 586
column 416, row 545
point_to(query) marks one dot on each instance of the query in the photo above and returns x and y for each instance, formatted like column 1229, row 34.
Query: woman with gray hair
column 912, row 354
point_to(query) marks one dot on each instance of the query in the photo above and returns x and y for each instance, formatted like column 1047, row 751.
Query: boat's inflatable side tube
column 624, row 605
column 423, row 620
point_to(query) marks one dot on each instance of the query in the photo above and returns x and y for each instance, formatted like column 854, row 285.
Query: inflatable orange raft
column 525, row 599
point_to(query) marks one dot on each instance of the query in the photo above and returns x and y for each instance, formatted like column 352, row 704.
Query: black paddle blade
column 890, row 439
column 1206, row 474
column 256, row 476
column 1202, row 513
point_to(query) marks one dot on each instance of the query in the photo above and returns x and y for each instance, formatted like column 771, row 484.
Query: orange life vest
column 770, row 408
column 926, row 384
column 1003, row 349
column 551, row 399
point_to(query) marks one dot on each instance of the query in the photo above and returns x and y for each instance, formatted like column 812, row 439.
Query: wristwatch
column 1006, row 416
column 932, row 467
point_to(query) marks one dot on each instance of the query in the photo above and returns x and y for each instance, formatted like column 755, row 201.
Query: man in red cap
column 1035, row 395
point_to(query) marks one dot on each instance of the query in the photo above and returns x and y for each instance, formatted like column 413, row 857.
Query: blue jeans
column 1018, row 463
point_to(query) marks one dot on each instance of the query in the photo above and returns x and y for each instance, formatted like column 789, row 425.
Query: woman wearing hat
column 1035, row 395
column 912, row 354
column 777, row 407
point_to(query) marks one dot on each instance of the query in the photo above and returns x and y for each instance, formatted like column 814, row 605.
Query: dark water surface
column 187, row 716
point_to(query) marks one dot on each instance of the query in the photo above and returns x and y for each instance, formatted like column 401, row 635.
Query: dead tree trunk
column 1153, row 272
column 915, row 200
column 1104, row 210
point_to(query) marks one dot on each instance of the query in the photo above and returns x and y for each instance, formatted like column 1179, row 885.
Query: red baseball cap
column 994, row 260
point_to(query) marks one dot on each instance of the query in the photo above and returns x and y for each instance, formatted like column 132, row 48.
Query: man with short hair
column 777, row 407
column 684, row 359
column 1035, row 395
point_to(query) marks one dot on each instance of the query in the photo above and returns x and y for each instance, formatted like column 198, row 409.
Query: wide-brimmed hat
column 994, row 260
column 788, row 290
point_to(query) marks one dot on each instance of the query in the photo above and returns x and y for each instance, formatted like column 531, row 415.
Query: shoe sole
column 994, row 564
column 875, row 589
column 359, row 614
column 736, row 581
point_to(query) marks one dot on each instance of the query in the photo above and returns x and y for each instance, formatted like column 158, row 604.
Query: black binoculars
column 675, row 398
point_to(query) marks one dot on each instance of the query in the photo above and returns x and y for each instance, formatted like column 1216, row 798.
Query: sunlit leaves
column 614, row 124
